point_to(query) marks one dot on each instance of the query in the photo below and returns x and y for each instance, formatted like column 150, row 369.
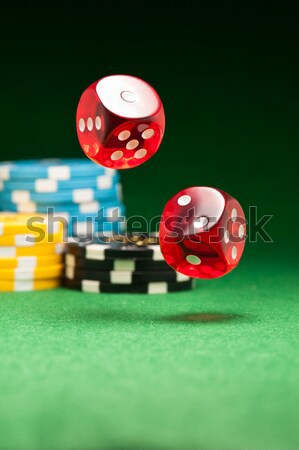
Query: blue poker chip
column 112, row 213
column 112, row 221
column 54, row 169
column 103, row 183
column 89, row 229
column 66, row 196
column 89, row 208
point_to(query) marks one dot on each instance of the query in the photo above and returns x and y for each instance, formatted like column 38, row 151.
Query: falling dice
column 120, row 121
column 202, row 232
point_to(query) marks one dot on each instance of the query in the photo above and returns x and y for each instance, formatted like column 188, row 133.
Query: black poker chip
column 132, row 264
column 121, row 264
column 101, row 252
column 140, row 239
column 124, row 277
column 97, row 287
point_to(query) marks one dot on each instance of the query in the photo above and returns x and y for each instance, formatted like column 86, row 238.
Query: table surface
column 216, row 368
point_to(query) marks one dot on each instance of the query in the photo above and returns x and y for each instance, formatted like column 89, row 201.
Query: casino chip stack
column 121, row 264
column 86, row 195
column 30, row 252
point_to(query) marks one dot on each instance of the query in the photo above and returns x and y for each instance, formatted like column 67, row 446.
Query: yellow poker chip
column 35, row 273
column 30, row 261
column 29, row 285
column 39, row 250
column 36, row 224
column 30, row 239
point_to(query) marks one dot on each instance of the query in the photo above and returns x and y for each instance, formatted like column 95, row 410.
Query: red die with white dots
column 202, row 232
column 120, row 121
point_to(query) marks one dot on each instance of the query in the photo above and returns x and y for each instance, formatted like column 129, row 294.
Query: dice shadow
column 206, row 317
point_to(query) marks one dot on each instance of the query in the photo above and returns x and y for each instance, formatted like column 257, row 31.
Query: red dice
column 120, row 121
column 202, row 232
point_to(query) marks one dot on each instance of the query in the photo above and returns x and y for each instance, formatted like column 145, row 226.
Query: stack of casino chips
column 87, row 196
column 121, row 264
column 30, row 253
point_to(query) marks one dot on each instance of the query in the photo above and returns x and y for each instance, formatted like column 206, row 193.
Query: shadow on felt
column 204, row 317
column 97, row 316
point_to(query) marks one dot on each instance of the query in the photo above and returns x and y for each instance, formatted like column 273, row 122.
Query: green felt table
column 215, row 368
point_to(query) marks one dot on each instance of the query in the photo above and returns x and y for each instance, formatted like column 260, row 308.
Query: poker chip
column 65, row 196
column 124, row 276
column 30, row 239
column 31, row 248
column 89, row 229
column 113, row 250
column 105, row 220
column 108, row 212
column 12, row 223
column 111, row 214
column 138, row 239
column 21, row 230
column 29, row 273
column 121, row 264
column 45, row 185
column 53, row 169
column 30, row 261
column 40, row 250
column 97, row 287
column 86, row 195
column 92, row 209
column 28, row 285
column 133, row 265
column 66, row 208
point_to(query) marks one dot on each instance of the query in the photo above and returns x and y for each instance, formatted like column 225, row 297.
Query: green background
column 228, row 78
column 216, row 368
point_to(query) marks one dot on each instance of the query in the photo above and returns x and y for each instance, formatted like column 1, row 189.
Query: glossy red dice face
column 120, row 121
column 202, row 232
